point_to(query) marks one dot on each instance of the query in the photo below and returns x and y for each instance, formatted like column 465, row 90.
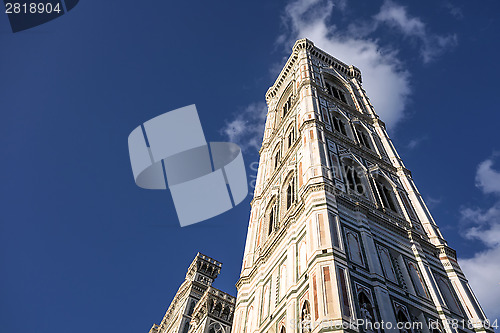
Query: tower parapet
column 203, row 269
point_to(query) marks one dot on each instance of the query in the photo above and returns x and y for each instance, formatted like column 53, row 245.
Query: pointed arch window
column 366, row 310
column 305, row 317
column 363, row 137
column 217, row 309
column 403, row 321
column 265, row 302
column 353, row 180
column 448, row 295
column 387, row 266
column 276, row 159
column 344, row 293
column 336, row 92
column 355, row 252
column 417, row 280
column 249, row 320
column 272, row 216
column 339, row 125
column 407, row 205
column 226, row 314
column 386, row 196
column 286, row 106
column 191, row 307
column 290, row 138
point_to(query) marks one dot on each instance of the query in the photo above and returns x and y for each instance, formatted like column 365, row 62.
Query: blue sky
column 82, row 246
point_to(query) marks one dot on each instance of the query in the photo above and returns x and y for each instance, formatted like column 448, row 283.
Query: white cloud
column 414, row 143
column 354, row 44
column 397, row 17
column 488, row 179
column 433, row 202
column 483, row 273
column 247, row 127
column 310, row 19
column 483, row 225
column 455, row 11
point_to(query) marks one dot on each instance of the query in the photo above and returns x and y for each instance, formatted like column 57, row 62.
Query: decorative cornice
column 301, row 44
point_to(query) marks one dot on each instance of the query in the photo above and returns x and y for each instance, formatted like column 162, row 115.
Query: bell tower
column 338, row 231
column 197, row 306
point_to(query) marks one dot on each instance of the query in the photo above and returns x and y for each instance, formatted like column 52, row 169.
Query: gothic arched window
column 276, row 158
column 339, row 124
column 217, row 309
column 405, row 324
column 366, row 310
column 387, row 266
column 286, row 106
column 448, row 295
column 225, row 313
column 354, row 248
column 363, row 137
column 265, row 302
column 191, row 307
column 386, row 195
column 249, row 320
column 290, row 137
column 336, row 91
column 353, row 180
column 353, row 177
column 417, row 279
column 271, row 216
column 305, row 317
column 215, row 328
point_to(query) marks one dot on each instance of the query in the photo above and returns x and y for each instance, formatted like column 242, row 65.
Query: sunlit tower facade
column 338, row 230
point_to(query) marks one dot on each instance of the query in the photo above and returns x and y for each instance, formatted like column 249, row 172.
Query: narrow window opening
column 342, row 97
column 342, row 127
column 336, row 92
column 271, row 221
column 363, row 139
column 387, row 199
column 354, row 180
column 276, row 159
column 290, row 138
column 290, row 197
column 336, row 124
